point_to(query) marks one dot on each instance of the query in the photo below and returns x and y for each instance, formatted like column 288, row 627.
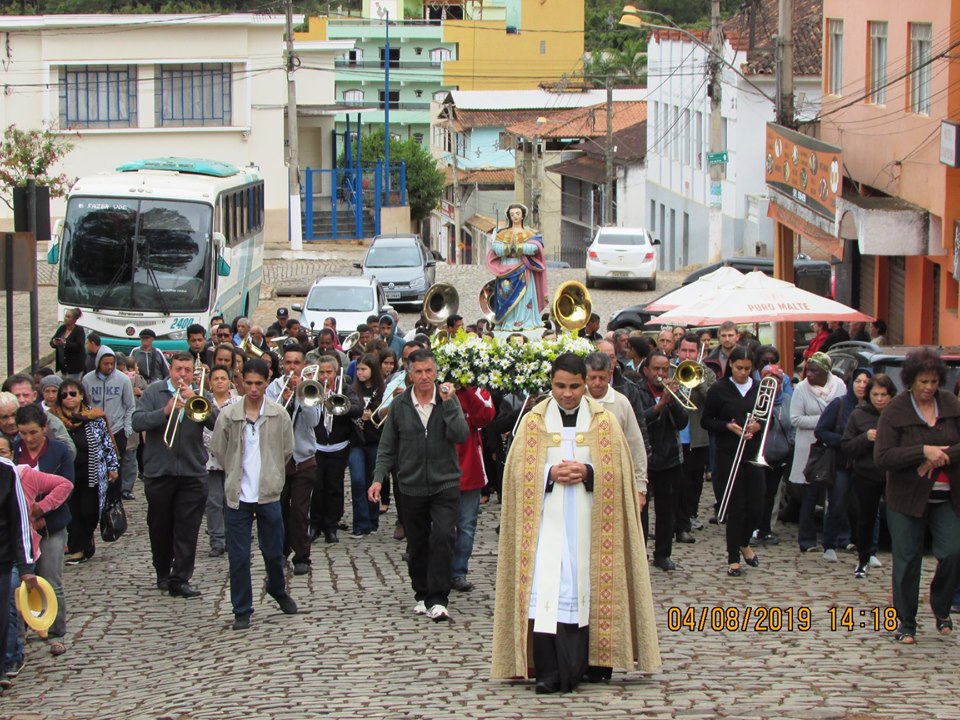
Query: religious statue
column 517, row 261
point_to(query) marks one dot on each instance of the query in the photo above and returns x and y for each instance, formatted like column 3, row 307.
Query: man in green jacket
column 419, row 438
column 253, row 441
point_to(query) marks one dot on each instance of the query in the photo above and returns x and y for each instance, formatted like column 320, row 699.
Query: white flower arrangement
column 504, row 365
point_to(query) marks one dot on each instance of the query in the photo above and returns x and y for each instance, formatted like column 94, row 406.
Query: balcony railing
column 395, row 65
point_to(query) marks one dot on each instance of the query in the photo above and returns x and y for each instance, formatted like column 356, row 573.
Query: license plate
column 617, row 273
column 395, row 295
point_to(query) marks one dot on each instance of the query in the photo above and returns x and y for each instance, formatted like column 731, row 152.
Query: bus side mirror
column 223, row 267
column 53, row 247
column 219, row 243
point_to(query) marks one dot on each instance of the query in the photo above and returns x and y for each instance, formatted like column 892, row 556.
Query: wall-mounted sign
column 804, row 169
column 950, row 143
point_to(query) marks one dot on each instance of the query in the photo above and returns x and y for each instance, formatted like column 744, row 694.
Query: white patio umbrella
column 721, row 277
column 759, row 299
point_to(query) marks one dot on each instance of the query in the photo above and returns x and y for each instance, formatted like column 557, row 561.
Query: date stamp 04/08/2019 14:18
column 774, row 618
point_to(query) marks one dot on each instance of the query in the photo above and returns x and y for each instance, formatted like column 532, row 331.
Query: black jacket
column 343, row 425
column 16, row 544
column 857, row 448
column 664, row 426
column 71, row 358
column 725, row 404
column 631, row 391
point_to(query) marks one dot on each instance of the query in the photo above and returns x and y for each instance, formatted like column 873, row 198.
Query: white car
column 349, row 299
column 622, row 254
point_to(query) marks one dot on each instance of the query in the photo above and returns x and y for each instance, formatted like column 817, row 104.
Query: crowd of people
column 285, row 413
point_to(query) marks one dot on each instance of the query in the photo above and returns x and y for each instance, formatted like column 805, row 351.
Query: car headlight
column 419, row 283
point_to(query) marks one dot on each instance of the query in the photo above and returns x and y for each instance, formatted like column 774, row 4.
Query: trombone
column 399, row 379
column 196, row 409
column 762, row 410
column 337, row 403
column 309, row 391
column 688, row 374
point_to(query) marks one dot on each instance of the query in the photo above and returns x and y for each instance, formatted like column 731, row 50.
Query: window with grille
column 353, row 97
column 98, row 96
column 194, row 95
column 921, row 51
column 354, row 57
column 439, row 55
column 878, row 63
column 394, row 57
column 394, row 99
column 834, row 56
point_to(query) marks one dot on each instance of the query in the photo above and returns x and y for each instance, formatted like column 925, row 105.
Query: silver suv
column 404, row 266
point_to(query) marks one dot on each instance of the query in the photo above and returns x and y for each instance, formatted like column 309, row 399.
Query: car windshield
column 334, row 298
column 124, row 254
column 621, row 239
column 386, row 256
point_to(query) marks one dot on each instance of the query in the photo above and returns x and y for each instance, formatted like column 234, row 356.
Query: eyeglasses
column 69, row 393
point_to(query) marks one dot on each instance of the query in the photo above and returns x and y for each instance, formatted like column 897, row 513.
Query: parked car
column 402, row 264
column 887, row 359
column 348, row 299
column 624, row 255
column 811, row 275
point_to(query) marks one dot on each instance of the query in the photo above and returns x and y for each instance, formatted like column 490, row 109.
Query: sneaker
column 301, row 568
column 357, row 535
column 216, row 552
column 287, row 605
column 438, row 613
column 241, row 622
column 874, row 562
column 770, row 539
column 15, row 670
column 420, row 608
column 461, row 584
column 860, row 573
column 5, row 684
column 830, row 555
column 127, row 495
column 75, row 558
column 695, row 524
column 850, row 547
column 399, row 533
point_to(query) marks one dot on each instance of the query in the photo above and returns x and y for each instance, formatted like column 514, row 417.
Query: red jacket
column 479, row 411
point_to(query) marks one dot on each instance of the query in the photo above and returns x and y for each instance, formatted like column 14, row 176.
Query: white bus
column 160, row 244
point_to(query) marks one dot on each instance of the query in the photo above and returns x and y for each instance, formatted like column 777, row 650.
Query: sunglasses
column 68, row 393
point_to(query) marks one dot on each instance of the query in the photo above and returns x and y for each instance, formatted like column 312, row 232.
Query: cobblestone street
column 356, row 650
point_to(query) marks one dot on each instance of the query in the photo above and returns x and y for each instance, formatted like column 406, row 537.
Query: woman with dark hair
column 96, row 464
column 859, row 437
column 878, row 332
column 388, row 362
column 368, row 386
column 729, row 401
column 918, row 446
column 68, row 342
column 823, row 332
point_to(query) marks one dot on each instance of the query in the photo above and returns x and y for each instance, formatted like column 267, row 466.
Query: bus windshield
column 127, row 254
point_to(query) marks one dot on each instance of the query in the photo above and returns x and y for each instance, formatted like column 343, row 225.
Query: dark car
column 404, row 266
column 812, row 275
column 887, row 359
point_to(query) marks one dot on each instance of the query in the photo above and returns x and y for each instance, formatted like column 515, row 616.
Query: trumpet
column 762, row 409
column 196, row 409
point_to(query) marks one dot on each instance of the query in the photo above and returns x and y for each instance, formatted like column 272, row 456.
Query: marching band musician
column 301, row 467
column 729, row 402
column 665, row 418
column 368, row 385
column 695, row 442
column 332, row 433
column 174, row 476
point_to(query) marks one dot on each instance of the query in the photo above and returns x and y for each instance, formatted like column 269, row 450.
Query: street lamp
column 631, row 18
column 384, row 13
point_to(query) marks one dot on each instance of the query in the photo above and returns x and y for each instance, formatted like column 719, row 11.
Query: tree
column 425, row 180
column 28, row 154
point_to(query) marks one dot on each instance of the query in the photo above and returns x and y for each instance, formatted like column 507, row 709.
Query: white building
column 678, row 132
column 127, row 87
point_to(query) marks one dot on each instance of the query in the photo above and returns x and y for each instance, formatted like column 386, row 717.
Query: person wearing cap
column 150, row 362
column 280, row 326
column 810, row 398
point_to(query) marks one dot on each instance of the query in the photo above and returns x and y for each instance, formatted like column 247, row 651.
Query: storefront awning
column 884, row 225
column 481, row 223
column 808, row 224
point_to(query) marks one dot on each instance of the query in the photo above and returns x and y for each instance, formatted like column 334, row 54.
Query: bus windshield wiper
column 114, row 281
column 156, row 283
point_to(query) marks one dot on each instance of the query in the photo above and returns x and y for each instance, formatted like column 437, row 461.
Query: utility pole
column 293, row 155
column 716, row 134
column 786, row 114
column 608, row 157
column 456, row 181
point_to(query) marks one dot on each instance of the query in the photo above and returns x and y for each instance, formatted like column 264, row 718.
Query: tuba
column 352, row 341
column 572, row 305
column 486, row 293
column 441, row 301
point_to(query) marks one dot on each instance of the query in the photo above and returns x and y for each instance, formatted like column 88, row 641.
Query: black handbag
column 821, row 465
column 113, row 521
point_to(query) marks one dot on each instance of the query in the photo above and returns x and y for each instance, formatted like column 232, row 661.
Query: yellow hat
column 39, row 608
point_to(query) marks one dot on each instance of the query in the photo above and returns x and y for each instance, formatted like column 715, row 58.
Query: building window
column 394, row 57
column 698, row 140
column 675, row 134
column 921, row 55
column 505, row 141
column 653, row 216
column 194, row 95
column 394, row 99
column 98, row 96
column 686, row 138
column 418, row 137
column 354, row 57
column 543, row 47
column 878, row 63
column 440, row 95
column 834, row 56
column 439, row 55
column 353, row 97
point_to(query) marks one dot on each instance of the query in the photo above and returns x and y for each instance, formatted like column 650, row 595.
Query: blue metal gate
column 345, row 203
